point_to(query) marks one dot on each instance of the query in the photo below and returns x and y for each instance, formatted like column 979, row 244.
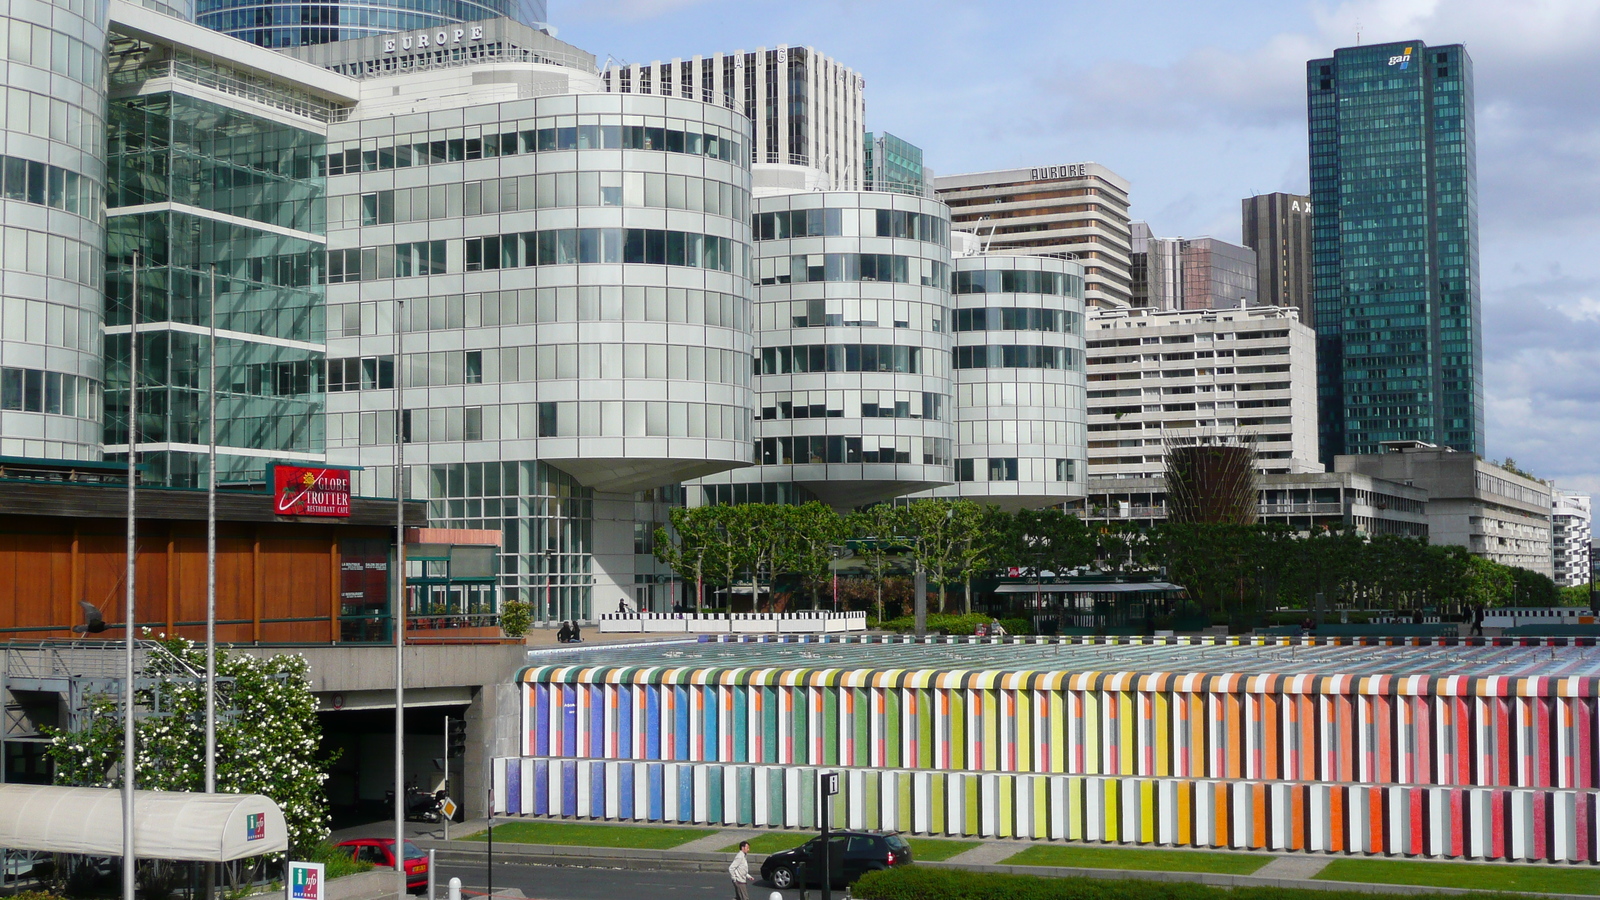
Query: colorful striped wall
column 1439, row 765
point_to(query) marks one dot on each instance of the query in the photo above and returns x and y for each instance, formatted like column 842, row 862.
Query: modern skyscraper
column 807, row 110
column 1278, row 228
column 1077, row 211
column 1394, row 193
column 1189, row 273
column 295, row 23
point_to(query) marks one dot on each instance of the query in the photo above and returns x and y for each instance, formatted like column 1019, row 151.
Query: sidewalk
column 1290, row 870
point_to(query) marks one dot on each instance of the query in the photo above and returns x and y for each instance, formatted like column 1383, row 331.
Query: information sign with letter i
column 305, row 881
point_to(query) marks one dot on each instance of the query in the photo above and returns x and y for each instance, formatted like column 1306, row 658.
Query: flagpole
column 128, row 748
column 211, row 562
column 399, row 606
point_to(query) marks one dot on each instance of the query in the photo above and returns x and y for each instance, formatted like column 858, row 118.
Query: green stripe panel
column 863, row 732
column 925, row 733
column 777, row 811
column 874, row 811
column 891, row 730
column 830, row 728
column 1005, row 784
column 902, row 805
column 808, row 798
column 971, row 808
column 769, row 724
column 747, row 795
column 802, row 726
column 1074, row 808
column 1041, row 807
column 958, row 730
column 936, row 805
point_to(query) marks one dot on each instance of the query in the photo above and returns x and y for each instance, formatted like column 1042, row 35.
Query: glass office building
column 1395, row 248
column 893, row 164
column 201, row 181
column 52, row 227
column 289, row 23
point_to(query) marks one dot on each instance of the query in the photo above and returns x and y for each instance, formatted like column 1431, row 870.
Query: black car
column 851, row 855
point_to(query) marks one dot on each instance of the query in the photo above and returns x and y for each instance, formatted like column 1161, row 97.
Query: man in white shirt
column 739, row 871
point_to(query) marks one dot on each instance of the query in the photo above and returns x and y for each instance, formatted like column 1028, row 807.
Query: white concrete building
column 1155, row 376
column 1570, row 534
column 1077, row 211
column 1494, row 513
column 807, row 112
column 565, row 275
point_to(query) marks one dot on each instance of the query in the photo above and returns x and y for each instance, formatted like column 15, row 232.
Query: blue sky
column 1201, row 103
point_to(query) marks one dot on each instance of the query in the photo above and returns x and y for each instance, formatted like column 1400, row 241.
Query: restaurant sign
column 301, row 491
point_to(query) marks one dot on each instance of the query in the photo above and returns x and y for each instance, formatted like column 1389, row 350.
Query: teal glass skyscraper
column 1394, row 191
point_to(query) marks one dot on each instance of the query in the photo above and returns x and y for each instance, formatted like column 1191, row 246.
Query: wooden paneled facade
column 279, row 579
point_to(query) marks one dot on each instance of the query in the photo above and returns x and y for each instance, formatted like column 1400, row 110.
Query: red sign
column 300, row 491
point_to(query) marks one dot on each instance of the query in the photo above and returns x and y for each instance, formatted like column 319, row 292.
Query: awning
column 1124, row 587
column 167, row 824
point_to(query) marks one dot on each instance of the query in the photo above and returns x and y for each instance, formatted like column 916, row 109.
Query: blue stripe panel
column 713, row 746
column 597, row 790
column 541, row 787
column 685, row 793
column 513, row 802
column 652, row 721
column 658, row 792
column 680, row 701
column 569, row 788
column 597, row 720
column 569, row 720
column 541, row 728
column 714, row 794
column 741, row 725
column 625, row 721
column 625, row 791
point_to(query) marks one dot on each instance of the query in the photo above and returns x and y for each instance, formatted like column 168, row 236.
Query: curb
column 688, row 861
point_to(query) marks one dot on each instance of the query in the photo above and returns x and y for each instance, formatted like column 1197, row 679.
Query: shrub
column 928, row 883
column 1017, row 626
column 515, row 617
column 339, row 860
column 939, row 623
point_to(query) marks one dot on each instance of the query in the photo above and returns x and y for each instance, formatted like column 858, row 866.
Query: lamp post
column 399, row 606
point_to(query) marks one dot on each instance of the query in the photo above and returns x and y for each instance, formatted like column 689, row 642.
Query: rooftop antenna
column 1358, row 32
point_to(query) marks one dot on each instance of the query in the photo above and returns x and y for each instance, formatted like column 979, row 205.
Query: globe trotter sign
column 300, row 491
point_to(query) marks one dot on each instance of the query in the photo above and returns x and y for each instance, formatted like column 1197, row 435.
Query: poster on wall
column 301, row 491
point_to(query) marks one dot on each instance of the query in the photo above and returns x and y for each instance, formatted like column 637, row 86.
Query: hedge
column 928, row 883
column 955, row 623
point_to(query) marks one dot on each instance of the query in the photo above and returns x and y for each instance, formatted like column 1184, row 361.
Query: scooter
column 421, row 806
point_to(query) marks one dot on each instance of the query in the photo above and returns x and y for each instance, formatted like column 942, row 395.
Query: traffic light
column 458, row 737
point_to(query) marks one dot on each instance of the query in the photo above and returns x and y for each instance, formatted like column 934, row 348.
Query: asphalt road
column 573, row 883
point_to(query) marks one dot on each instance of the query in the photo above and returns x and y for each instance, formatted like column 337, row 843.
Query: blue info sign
column 305, row 881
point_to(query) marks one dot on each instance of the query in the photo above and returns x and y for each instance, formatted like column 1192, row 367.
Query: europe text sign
column 299, row 491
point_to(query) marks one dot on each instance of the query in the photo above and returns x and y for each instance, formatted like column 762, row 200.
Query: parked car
column 851, row 855
column 380, row 852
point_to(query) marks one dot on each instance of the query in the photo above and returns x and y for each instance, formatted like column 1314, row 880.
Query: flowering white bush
column 267, row 736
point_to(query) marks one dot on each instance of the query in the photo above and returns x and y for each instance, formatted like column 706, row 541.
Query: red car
column 380, row 852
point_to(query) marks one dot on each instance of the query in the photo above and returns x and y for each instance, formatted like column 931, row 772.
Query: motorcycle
column 421, row 806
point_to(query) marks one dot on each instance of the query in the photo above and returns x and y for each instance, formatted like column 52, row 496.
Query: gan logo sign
column 1403, row 60
column 255, row 827
column 305, row 881
column 299, row 491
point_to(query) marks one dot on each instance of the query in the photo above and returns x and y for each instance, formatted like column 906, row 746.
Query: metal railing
column 182, row 70
column 467, row 56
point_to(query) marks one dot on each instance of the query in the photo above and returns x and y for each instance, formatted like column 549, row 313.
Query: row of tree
column 1225, row 568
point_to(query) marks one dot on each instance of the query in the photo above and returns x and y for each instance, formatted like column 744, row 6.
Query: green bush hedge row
column 955, row 623
column 928, row 883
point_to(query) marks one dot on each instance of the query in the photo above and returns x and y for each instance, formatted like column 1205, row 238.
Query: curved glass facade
column 854, row 379
column 1019, row 380
column 52, row 242
column 293, row 24
column 581, row 338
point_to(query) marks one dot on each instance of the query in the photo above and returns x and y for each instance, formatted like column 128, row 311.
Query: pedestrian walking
column 739, row 871
column 1477, row 620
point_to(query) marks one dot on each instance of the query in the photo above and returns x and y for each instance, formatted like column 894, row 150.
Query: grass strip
column 575, row 834
column 1142, row 860
column 1477, row 876
column 938, row 849
column 931, row 883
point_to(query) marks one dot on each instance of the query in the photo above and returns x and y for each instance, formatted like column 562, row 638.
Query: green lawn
column 1478, row 876
column 1145, row 860
column 577, row 834
column 922, row 849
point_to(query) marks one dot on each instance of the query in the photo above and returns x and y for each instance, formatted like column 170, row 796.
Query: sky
column 1201, row 103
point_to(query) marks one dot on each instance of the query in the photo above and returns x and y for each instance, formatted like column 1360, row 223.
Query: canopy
column 1109, row 587
column 167, row 824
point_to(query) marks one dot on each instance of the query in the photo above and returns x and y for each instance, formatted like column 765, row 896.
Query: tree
column 807, row 535
column 689, row 546
column 938, row 529
column 268, row 735
column 875, row 531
